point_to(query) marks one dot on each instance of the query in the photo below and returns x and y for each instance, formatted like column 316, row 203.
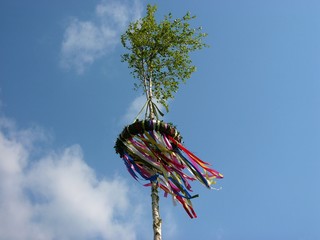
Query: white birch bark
column 155, row 212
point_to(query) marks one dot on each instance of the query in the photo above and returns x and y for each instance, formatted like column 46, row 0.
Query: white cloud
column 86, row 41
column 57, row 196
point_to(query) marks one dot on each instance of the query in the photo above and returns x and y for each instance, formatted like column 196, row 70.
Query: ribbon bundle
column 152, row 150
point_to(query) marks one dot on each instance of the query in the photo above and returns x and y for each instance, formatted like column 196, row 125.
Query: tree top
column 158, row 53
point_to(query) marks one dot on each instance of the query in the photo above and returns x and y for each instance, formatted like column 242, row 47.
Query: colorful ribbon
column 152, row 151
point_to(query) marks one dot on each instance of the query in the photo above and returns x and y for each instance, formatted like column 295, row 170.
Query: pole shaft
column 154, row 185
column 155, row 212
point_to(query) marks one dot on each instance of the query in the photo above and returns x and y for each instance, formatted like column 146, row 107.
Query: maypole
column 151, row 149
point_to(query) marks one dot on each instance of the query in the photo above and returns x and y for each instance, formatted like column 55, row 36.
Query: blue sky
column 251, row 109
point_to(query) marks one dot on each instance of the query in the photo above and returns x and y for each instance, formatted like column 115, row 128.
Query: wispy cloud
column 134, row 110
column 85, row 41
column 57, row 196
column 170, row 225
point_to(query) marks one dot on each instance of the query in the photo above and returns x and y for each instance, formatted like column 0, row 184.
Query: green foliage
column 159, row 53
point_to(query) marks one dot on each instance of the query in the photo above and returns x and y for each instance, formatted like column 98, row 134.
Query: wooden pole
column 155, row 212
column 154, row 186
